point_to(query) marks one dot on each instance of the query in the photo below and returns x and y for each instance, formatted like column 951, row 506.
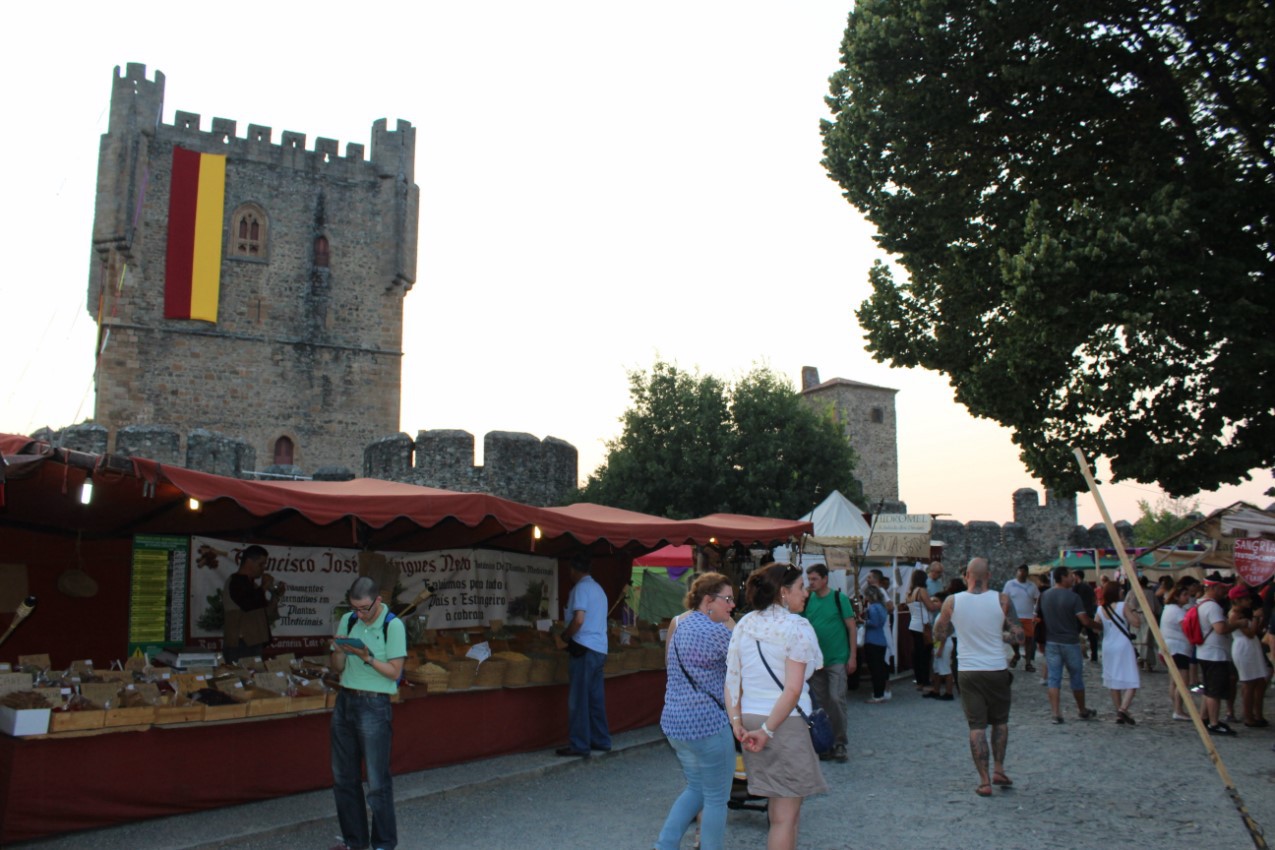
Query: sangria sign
column 1254, row 560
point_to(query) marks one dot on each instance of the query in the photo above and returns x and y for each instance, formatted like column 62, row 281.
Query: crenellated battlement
column 393, row 151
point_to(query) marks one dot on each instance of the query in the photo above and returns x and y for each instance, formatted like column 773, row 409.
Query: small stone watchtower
column 317, row 251
column 866, row 414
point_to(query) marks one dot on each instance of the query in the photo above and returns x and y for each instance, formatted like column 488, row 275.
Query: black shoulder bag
column 818, row 721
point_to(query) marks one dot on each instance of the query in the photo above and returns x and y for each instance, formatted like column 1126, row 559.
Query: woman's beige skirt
column 787, row 766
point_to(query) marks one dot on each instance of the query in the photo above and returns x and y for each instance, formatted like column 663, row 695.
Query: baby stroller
column 739, row 796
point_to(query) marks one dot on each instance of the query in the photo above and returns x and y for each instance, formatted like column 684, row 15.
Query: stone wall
column 1035, row 536
column 307, row 345
column 867, row 416
column 515, row 466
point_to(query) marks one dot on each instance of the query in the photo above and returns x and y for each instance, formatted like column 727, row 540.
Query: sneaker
column 888, row 695
column 1013, row 662
column 1221, row 729
column 1030, row 667
column 1177, row 716
column 1044, row 682
column 946, row 697
column 876, row 700
column 1197, row 689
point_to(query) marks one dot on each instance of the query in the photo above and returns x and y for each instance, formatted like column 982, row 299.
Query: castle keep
column 317, row 252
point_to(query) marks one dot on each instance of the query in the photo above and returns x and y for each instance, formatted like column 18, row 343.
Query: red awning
column 139, row 496
column 669, row 556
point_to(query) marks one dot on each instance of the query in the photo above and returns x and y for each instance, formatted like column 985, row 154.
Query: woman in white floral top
column 778, row 755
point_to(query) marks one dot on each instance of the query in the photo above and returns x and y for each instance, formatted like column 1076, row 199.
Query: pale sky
column 601, row 184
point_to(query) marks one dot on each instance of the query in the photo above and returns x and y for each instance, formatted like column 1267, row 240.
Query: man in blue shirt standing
column 586, row 637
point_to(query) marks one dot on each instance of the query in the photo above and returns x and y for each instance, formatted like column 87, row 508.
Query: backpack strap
column 385, row 624
column 836, row 597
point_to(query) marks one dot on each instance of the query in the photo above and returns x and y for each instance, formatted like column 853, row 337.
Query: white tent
column 838, row 524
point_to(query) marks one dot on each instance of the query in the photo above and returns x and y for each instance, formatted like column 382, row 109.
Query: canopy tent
column 45, row 529
column 669, row 556
column 40, row 487
column 838, row 525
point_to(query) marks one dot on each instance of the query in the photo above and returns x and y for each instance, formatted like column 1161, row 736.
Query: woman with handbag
column 694, row 717
column 1120, row 623
column 773, row 651
column 921, row 610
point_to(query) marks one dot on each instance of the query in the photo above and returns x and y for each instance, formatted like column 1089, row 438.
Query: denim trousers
column 586, row 703
column 828, row 688
column 362, row 733
column 709, row 767
column 1069, row 655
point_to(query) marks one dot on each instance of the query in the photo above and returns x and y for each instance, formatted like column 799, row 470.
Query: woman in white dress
column 1120, row 623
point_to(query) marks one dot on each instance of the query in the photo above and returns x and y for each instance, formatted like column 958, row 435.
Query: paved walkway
column 909, row 784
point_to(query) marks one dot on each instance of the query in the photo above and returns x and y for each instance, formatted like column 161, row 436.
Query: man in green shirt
column 361, row 731
column 831, row 615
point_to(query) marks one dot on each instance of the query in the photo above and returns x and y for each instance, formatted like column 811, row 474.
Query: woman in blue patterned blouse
column 694, row 718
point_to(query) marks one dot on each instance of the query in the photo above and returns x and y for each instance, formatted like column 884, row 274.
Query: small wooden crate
column 181, row 713
column 262, row 702
column 72, row 721
column 139, row 715
column 238, row 711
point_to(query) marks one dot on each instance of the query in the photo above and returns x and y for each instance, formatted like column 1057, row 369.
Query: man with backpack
column 369, row 651
column 831, row 615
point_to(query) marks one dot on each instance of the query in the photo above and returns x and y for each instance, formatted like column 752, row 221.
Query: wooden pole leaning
column 1254, row 830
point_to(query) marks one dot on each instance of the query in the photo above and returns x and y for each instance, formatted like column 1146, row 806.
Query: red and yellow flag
column 196, row 207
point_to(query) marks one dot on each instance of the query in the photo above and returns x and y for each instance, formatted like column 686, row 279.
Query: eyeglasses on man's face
column 362, row 609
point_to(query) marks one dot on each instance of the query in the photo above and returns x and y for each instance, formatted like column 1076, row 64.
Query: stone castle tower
column 317, row 253
column 866, row 414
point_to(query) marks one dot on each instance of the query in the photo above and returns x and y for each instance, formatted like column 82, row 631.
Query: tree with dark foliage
column 1081, row 200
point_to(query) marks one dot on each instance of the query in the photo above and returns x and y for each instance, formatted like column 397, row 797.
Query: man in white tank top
column 979, row 616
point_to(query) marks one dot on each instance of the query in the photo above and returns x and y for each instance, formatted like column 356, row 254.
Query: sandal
column 1125, row 717
column 1058, row 718
column 983, row 790
column 999, row 778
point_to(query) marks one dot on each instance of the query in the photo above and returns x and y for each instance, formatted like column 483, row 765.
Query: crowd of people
column 752, row 686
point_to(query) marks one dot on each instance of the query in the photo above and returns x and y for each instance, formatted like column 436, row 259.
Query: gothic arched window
column 321, row 252
column 249, row 232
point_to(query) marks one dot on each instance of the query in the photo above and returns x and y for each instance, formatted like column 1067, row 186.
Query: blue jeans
column 1068, row 655
column 586, row 703
column 362, row 732
column 709, row 767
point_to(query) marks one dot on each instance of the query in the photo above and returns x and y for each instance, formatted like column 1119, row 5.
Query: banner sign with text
column 471, row 587
column 1254, row 560
column 900, row 536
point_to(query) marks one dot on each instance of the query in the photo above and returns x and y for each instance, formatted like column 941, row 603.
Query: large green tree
column 1080, row 199
column 693, row 445
column 1167, row 518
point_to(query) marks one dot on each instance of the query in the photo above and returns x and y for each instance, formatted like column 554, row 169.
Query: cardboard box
column 24, row 721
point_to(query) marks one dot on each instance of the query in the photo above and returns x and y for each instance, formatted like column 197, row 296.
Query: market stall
column 116, row 572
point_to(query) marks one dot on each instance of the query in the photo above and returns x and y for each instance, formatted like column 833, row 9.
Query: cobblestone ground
column 909, row 784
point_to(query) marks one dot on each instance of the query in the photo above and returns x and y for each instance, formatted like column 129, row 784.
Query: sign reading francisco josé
column 470, row 587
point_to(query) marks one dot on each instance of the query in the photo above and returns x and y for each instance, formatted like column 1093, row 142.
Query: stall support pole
column 1254, row 830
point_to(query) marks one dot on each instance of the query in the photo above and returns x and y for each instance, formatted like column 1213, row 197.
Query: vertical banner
column 157, row 591
column 196, row 207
